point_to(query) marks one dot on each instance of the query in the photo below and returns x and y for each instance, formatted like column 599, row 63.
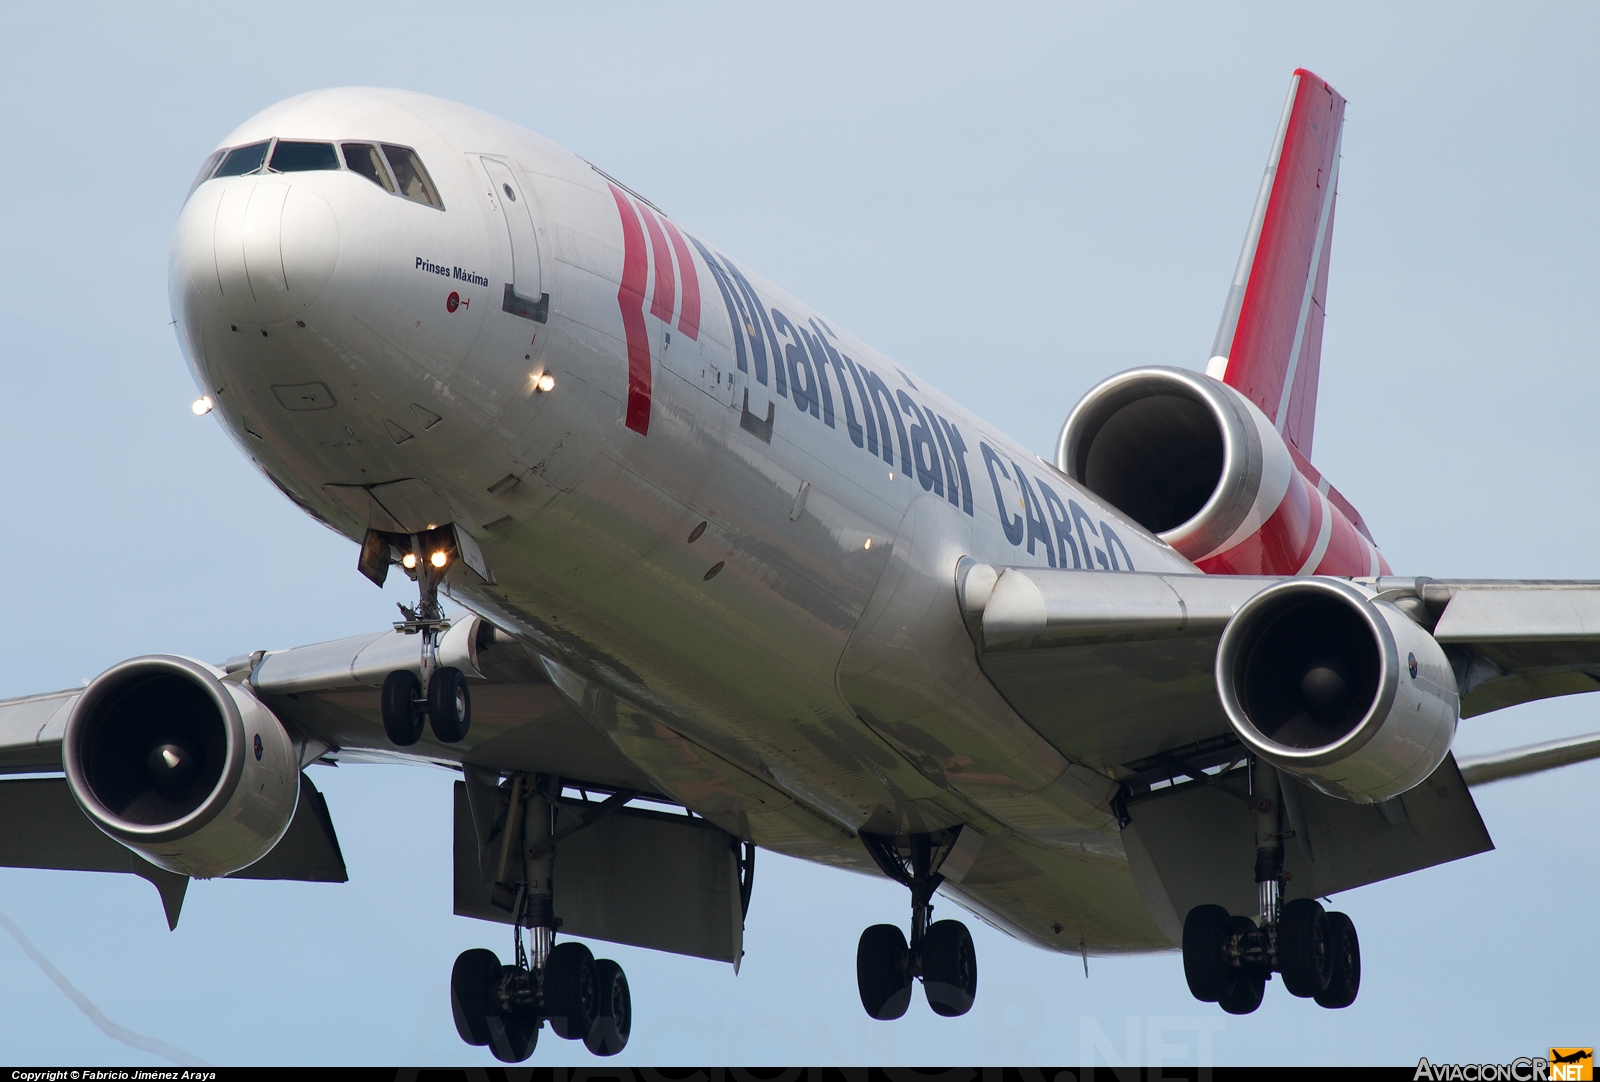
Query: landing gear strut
column 941, row 953
column 1228, row 960
column 505, row 1006
column 440, row 694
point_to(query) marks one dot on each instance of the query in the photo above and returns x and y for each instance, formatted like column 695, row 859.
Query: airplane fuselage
column 715, row 519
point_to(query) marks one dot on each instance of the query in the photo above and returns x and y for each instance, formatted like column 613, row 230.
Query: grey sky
column 1012, row 202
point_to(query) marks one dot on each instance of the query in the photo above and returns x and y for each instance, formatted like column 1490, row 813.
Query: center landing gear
column 440, row 694
column 562, row 984
column 1228, row 960
column 940, row 953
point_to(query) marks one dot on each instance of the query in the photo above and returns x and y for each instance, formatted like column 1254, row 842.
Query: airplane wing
column 1119, row 671
column 327, row 695
column 1121, row 666
column 1517, row 641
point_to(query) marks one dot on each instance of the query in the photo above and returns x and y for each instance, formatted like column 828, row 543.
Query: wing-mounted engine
column 187, row 769
column 1197, row 463
column 1343, row 691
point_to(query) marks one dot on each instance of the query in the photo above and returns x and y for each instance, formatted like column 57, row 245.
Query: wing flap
column 1193, row 844
column 46, row 829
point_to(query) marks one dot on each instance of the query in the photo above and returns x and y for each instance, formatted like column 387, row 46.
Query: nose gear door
column 524, row 295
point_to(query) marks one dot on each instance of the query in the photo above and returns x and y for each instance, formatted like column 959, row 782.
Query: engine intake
column 1338, row 689
column 188, row 770
column 1195, row 462
column 1181, row 454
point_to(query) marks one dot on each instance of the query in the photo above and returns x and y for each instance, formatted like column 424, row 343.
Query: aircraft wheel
column 401, row 721
column 449, row 705
column 1304, row 957
column 949, row 968
column 513, row 1034
column 1205, row 966
column 571, row 990
column 883, row 972
column 1344, row 980
column 614, row 1017
column 473, row 983
column 1244, row 992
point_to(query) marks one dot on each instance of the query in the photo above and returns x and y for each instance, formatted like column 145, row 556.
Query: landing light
column 409, row 560
column 438, row 559
column 546, row 382
column 202, row 405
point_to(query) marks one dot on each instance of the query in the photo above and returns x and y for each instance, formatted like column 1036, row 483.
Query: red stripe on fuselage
column 630, row 298
column 665, row 296
column 1334, row 496
column 1347, row 553
column 1288, row 538
column 1282, row 543
column 689, row 316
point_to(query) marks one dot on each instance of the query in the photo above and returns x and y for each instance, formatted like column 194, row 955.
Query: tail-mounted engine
column 1343, row 691
column 188, row 770
column 1195, row 462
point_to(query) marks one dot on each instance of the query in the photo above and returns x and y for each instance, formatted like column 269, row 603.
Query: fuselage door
column 507, row 197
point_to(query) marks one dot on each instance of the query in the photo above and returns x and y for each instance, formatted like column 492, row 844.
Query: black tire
column 1244, row 992
column 402, row 722
column 614, row 1018
column 949, row 968
column 1304, row 957
column 571, row 991
column 883, row 972
column 1344, row 980
column 1205, row 966
column 449, row 705
column 513, row 1035
column 472, row 994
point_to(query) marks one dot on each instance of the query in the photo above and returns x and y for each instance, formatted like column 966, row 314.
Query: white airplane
column 733, row 579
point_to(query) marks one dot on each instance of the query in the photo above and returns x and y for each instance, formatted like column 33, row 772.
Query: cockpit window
column 363, row 158
column 207, row 169
column 242, row 160
column 415, row 184
column 395, row 169
column 289, row 157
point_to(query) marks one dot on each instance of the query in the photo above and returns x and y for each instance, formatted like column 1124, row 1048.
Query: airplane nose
column 256, row 251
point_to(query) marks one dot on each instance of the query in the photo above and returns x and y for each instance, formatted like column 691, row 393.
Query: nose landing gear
column 440, row 694
column 1227, row 960
column 941, row 954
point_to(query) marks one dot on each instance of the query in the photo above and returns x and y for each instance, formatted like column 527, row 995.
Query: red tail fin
column 1269, row 346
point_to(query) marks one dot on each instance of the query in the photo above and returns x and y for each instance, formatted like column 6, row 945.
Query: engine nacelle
column 185, row 768
column 1195, row 462
column 1343, row 691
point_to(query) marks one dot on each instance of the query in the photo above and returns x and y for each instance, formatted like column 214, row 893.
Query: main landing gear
column 940, row 953
column 505, row 1006
column 440, row 694
column 1229, row 959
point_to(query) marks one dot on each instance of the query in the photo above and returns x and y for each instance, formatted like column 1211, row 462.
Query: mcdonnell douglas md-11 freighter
column 729, row 578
